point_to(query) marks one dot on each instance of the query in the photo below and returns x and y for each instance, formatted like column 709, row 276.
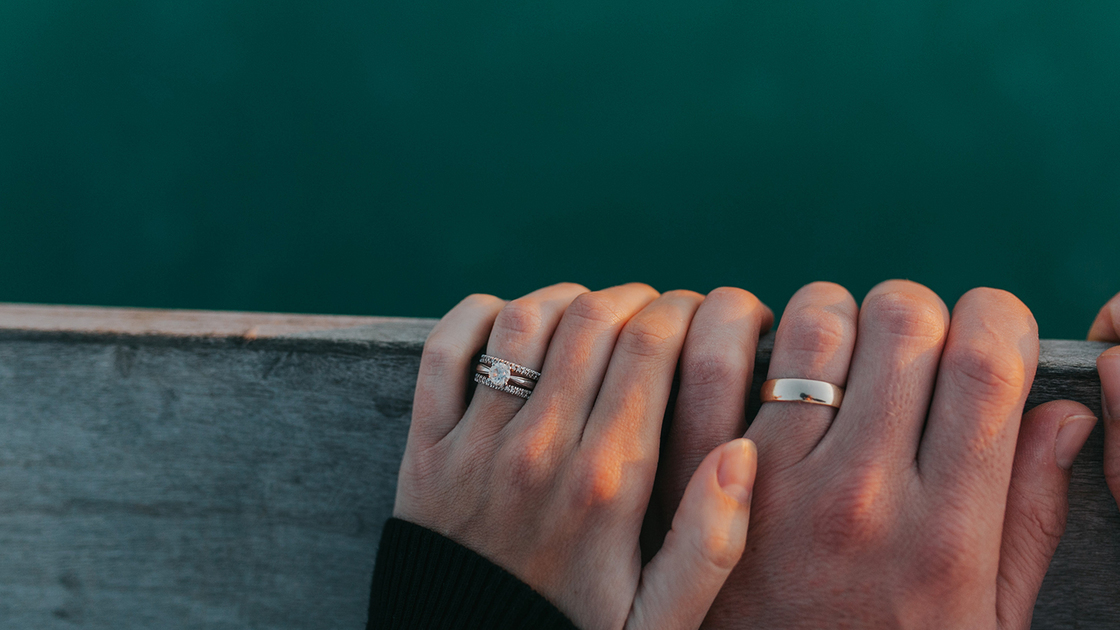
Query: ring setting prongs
column 506, row 376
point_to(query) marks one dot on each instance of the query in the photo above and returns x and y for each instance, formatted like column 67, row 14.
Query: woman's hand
column 923, row 501
column 1107, row 328
column 554, row 488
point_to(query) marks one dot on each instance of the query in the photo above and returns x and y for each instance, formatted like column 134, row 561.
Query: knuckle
column 714, row 369
column 733, row 304
column 1042, row 530
column 683, row 294
column 991, row 379
column 595, row 309
column 824, row 288
column 741, row 299
column 717, row 548
column 992, row 296
column 907, row 315
column 1000, row 303
column 1041, row 512
column 855, row 514
column 817, row 330
column 574, row 286
column 828, row 293
column 597, row 482
column 480, row 299
column 648, row 336
column 520, row 317
column 983, row 294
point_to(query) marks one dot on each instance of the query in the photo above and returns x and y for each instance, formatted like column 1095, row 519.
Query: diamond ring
column 506, row 376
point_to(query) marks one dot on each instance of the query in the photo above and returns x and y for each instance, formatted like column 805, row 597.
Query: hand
column 554, row 488
column 911, row 506
column 1107, row 328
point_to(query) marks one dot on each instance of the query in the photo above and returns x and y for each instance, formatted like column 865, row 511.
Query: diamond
column 499, row 374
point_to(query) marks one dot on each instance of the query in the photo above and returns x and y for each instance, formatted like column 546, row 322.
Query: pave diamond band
column 514, row 368
column 506, row 376
column 509, row 389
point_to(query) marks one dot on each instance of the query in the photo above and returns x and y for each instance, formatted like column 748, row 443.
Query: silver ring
column 801, row 390
column 506, row 376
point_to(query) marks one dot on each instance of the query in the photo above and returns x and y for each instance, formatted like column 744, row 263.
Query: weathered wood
column 232, row 470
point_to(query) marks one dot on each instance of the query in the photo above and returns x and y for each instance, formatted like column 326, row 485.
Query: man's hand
column 926, row 500
column 1107, row 328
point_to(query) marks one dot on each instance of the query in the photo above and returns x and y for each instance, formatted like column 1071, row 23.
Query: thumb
column 1050, row 437
column 706, row 541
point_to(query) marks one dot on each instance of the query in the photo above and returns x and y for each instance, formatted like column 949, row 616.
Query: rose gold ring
column 506, row 376
column 801, row 390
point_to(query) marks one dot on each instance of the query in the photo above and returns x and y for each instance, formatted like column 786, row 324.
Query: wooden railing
column 185, row 469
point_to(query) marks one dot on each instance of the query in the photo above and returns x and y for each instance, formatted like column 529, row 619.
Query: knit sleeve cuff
column 425, row 580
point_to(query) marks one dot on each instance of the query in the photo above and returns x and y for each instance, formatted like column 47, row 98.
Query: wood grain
column 180, row 469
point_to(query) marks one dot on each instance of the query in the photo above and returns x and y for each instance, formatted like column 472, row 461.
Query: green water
column 389, row 157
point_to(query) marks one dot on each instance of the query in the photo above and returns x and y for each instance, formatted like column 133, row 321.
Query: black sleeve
column 423, row 580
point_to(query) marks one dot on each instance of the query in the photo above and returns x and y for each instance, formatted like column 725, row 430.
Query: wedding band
column 506, row 376
column 801, row 390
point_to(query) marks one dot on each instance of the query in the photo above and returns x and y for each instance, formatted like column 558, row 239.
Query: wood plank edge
column 343, row 345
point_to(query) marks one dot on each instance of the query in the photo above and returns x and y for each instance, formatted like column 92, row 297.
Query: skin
column 554, row 489
column 928, row 500
column 1106, row 327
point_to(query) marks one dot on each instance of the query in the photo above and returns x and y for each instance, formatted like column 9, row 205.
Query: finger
column 627, row 416
column 1108, row 366
column 577, row 359
column 1107, row 325
column 902, row 329
column 1050, row 437
column 445, row 364
column 707, row 539
column 815, row 339
column 520, row 334
column 716, row 368
column 986, row 371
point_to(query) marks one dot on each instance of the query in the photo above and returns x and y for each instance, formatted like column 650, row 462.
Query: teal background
column 389, row 157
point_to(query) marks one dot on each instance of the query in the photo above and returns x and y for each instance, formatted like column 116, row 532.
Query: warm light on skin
column 555, row 489
column 1106, row 327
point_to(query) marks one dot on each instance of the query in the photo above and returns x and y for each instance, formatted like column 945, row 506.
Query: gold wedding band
column 801, row 390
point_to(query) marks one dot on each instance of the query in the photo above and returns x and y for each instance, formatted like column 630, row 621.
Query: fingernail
column 1072, row 434
column 736, row 469
column 1108, row 366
